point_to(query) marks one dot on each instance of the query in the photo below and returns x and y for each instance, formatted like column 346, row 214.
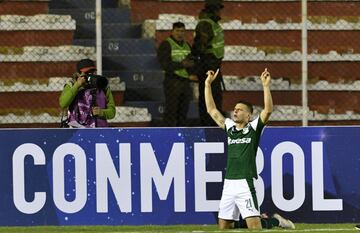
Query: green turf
column 323, row 228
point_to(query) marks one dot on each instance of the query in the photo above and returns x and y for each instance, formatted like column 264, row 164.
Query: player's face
column 178, row 34
column 241, row 113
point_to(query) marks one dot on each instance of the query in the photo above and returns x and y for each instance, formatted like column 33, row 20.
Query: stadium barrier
column 139, row 176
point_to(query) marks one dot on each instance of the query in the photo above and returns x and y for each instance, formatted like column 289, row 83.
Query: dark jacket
column 203, row 32
column 203, row 36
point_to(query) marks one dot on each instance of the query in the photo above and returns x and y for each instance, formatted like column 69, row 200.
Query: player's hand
column 265, row 78
column 211, row 76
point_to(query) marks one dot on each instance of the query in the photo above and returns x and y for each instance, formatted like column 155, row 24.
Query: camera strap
column 64, row 122
column 93, row 102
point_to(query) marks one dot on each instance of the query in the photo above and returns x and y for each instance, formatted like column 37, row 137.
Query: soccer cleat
column 357, row 227
column 283, row 222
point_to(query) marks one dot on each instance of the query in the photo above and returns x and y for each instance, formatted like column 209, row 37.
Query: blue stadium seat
column 138, row 79
column 115, row 30
column 87, row 16
column 156, row 108
column 128, row 46
column 144, row 94
column 59, row 4
column 131, row 62
column 121, row 46
column 193, row 110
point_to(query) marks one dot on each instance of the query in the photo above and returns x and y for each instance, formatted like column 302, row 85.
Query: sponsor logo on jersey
column 239, row 141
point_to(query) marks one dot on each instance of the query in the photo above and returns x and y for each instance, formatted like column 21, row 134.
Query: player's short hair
column 248, row 105
column 178, row 24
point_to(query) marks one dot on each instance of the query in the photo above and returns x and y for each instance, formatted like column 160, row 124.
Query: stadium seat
column 113, row 30
column 87, row 15
column 138, row 78
column 81, row 4
column 121, row 46
column 130, row 62
column 156, row 108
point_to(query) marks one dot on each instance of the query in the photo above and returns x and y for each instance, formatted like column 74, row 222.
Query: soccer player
column 357, row 227
column 239, row 194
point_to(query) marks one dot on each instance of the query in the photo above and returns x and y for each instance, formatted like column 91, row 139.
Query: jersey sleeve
column 257, row 124
column 228, row 123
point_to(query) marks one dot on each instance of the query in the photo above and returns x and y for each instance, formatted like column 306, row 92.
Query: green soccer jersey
column 242, row 148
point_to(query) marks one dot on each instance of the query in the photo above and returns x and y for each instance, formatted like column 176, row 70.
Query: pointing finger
column 217, row 72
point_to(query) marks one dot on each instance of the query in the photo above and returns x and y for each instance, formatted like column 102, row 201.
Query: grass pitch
column 316, row 228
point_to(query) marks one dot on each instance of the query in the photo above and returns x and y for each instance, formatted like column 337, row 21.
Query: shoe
column 283, row 222
column 357, row 227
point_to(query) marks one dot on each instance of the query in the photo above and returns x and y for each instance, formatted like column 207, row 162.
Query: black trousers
column 205, row 118
column 178, row 94
column 209, row 62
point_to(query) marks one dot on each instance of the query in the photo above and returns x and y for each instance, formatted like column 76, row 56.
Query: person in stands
column 174, row 55
column 87, row 98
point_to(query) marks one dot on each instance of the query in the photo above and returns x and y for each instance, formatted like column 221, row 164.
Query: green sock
column 274, row 222
column 268, row 223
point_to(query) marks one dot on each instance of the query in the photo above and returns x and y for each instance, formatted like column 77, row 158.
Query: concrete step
column 81, row 4
column 144, row 94
column 118, row 30
column 130, row 62
column 321, row 41
column 138, row 79
column 156, row 108
column 88, row 15
column 121, row 46
column 36, row 38
column 33, row 100
column 23, row 7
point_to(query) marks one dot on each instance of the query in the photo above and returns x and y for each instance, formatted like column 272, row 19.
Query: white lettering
column 150, row 171
column 239, row 141
column 202, row 176
column 79, row 158
column 89, row 15
column 319, row 203
column 259, row 183
column 27, row 207
column 117, row 176
column 277, row 176
column 120, row 184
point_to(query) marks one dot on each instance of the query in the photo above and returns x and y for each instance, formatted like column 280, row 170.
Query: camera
column 96, row 81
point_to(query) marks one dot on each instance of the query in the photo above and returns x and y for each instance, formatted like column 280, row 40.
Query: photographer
column 88, row 98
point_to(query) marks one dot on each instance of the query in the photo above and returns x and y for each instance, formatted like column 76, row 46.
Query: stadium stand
column 40, row 51
column 125, row 53
column 262, row 34
column 258, row 34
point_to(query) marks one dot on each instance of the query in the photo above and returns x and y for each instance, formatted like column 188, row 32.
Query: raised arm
column 268, row 103
column 209, row 100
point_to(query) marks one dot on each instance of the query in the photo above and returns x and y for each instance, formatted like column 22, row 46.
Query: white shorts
column 238, row 197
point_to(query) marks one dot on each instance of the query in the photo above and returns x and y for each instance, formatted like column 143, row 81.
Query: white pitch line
column 252, row 231
column 284, row 230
